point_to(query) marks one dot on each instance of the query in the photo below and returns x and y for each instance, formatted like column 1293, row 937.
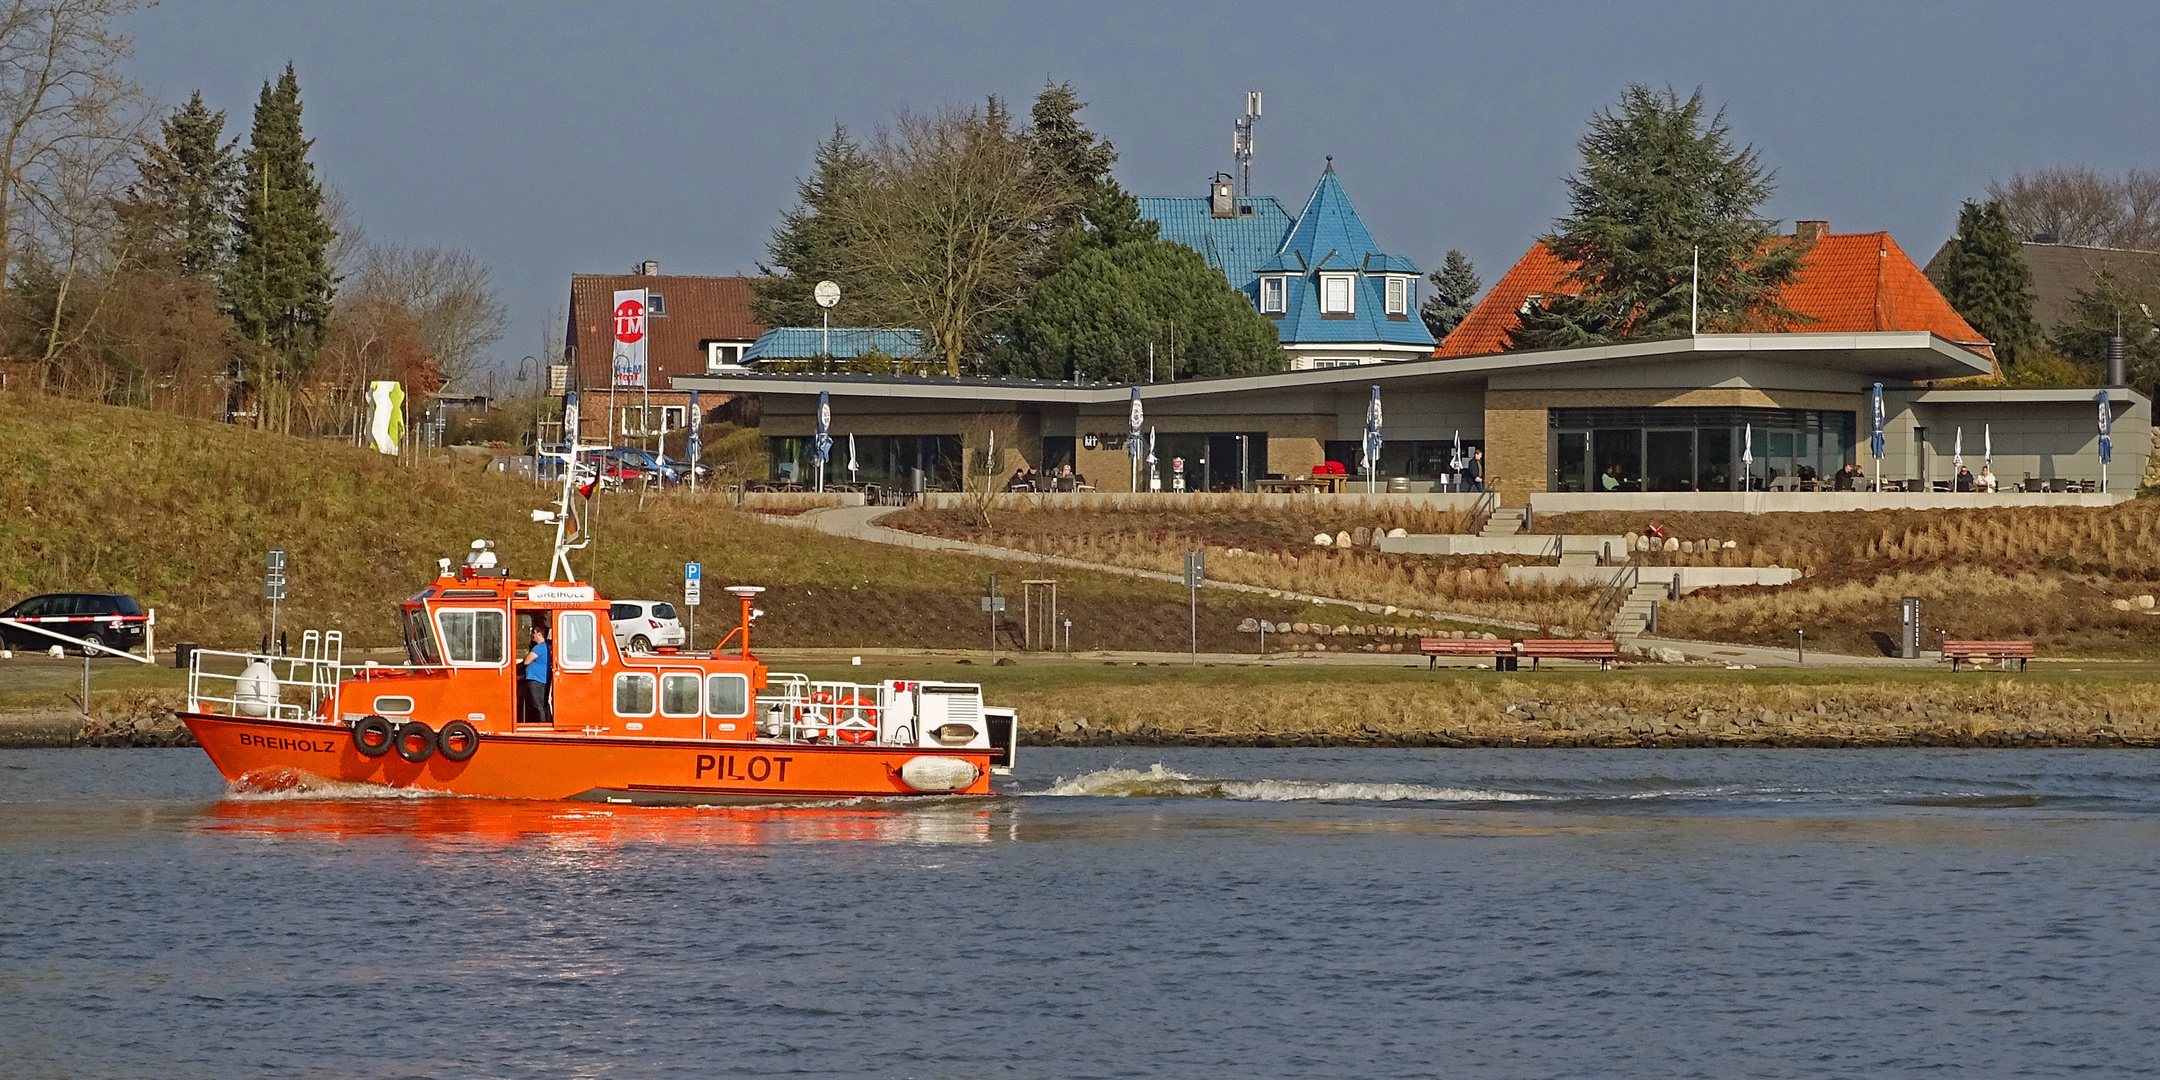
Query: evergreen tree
column 805, row 248
column 179, row 210
column 1454, row 290
column 280, row 285
column 1561, row 322
column 1102, row 214
column 1987, row 281
column 1096, row 318
column 1659, row 185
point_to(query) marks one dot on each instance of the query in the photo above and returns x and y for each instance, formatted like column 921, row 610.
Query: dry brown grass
column 1276, row 552
column 2049, row 574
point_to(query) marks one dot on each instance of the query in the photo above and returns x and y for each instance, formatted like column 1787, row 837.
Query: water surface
column 1133, row 912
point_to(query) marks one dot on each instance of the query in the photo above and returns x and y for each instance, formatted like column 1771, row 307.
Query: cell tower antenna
column 1241, row 143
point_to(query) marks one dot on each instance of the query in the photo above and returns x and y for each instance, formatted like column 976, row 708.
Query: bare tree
column 943, row 232
column 449, row 294
column 63, row 103
column 2080, row 206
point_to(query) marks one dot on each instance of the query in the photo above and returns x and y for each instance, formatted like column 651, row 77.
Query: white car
column 643, row 625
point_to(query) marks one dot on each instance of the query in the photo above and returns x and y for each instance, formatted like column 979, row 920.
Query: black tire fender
column 458, row 740
column 415, row 741
column 373, row 736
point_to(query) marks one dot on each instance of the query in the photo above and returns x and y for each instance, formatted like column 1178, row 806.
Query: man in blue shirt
column 533, row 678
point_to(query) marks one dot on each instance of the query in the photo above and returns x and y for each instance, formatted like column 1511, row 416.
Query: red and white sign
column 629, row 365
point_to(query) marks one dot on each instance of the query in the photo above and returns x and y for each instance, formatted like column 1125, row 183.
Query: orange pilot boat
column 660, row 727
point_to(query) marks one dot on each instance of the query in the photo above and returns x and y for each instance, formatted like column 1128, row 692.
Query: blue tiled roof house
column 1336, row 299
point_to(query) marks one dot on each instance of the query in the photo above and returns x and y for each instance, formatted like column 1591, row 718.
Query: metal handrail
column 1481, row 511
column 1622, row 583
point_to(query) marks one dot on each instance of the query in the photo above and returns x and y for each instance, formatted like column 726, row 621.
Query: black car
column 109, row 619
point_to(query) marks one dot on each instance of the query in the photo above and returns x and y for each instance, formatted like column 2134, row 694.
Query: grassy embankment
column 179, row 513
column 2053, row 575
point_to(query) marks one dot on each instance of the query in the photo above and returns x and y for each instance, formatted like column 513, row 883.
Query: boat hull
column 570, row 765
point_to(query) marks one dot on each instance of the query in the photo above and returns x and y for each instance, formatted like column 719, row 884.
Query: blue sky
column 561, row 138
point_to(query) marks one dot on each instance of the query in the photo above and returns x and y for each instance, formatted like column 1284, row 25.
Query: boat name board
column 560, row 594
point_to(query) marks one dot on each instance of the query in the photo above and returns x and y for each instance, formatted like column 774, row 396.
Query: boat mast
column 563, row 516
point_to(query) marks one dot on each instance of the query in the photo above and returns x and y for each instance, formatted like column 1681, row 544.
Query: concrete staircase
column 1503, row 522
column 1634, row 615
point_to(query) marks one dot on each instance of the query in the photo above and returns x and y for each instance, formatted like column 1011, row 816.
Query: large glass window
column 579, row 639
column 889, row 460
column 727, row 696
column 1660, row 449
column 472, row 635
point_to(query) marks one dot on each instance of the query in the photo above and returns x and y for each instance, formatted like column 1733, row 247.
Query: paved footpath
column 860, row 523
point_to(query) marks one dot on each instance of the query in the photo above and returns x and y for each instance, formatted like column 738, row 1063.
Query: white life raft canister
column 257, row 689
column 934, row 774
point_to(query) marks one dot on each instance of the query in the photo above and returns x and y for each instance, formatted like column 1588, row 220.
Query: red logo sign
column 629, row 322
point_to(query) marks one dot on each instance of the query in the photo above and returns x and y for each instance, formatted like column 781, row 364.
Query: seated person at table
column 1964, row 481
column 1987, row 480
column 1019, row 481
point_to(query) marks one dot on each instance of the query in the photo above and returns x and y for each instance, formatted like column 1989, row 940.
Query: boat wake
column 274, row 785
column 1160, row 783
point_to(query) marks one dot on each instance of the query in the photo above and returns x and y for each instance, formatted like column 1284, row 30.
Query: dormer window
column 1336, row 291
column 1398, row 295
column 1271, row 296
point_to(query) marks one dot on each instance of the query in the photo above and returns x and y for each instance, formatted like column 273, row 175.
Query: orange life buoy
column 854, row 707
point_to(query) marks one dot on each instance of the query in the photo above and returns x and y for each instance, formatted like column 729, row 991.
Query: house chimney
column 1807, row 232
column 648, row 268
column 1222, row 199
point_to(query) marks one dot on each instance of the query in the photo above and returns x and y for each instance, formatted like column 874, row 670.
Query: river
column 1128, row 913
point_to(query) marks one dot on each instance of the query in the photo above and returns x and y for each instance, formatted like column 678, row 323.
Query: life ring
column 458, row 740
column 415, row 741
column 864, row 709
column 373, row 736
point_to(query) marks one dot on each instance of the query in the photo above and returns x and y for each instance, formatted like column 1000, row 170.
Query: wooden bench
column 1602, row 650
column 1961, row 651
column 1436, row 647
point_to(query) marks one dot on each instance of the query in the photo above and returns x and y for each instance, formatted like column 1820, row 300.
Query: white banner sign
column 630, row 338
column 560, row 594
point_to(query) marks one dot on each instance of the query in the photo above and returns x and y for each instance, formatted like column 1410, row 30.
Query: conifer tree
column 280, row 284
column 1661, row 183
column 181, row 205
column 805, row 248
column 2112, row 304
column 1101, row 214
column 1454, row 289
column 1987, row 281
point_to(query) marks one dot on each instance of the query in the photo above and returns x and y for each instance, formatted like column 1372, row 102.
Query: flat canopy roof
column 1903, row 356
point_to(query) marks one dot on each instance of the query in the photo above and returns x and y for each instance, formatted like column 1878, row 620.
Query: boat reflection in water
column 300, row 807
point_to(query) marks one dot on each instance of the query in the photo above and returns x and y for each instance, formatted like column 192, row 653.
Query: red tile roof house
column 694, row 324
column 1848, row 283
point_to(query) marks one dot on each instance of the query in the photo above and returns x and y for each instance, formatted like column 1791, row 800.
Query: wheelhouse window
column 1271, row 296
column 473, row 635
column 579, row 639
column 634, row 694
column 420, row 647
column 678, row 695
column 1398, row 296
column 1335, row 294
column 727, row 696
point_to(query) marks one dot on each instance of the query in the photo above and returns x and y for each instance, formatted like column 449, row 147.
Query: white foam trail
column 294, row 785
column 1160, row 783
